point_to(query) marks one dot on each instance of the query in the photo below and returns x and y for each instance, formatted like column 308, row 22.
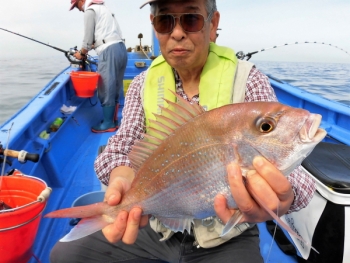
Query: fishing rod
column 68, row 53
column 242, row 56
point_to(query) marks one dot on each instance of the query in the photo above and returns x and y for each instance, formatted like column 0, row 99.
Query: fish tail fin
column 280, row 222
column 85, row 227
column 79, row 211
column 93, row 219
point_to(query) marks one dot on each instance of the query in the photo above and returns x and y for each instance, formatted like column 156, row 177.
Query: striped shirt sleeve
column 131, row 128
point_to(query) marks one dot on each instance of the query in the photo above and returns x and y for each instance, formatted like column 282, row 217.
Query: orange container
column 19, row 225
column 84, row 83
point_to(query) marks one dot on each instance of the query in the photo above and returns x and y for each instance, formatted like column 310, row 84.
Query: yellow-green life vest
column 215, row 87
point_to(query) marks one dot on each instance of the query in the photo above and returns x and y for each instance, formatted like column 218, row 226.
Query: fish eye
column 266, row 125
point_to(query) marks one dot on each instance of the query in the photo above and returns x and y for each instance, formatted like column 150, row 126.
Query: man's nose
column 178, row 30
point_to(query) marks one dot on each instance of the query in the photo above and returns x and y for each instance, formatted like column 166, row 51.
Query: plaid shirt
column 133, row 126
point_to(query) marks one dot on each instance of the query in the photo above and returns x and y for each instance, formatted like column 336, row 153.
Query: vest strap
column 215, row 87
column 240, row 82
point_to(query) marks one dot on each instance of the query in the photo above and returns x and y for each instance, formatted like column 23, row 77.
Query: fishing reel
column 240, row 55
column 70, row 56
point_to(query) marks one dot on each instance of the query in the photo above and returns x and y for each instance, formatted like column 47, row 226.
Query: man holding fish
column 204, row 73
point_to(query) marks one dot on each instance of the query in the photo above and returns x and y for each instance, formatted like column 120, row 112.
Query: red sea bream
column 180, row 164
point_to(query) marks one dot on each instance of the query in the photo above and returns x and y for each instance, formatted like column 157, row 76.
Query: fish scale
column 192, row 185
column 180, row 164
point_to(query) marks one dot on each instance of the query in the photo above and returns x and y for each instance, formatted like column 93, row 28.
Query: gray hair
column 210, row 6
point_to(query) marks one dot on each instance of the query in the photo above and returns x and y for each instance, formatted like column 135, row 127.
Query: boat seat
column 330, row 164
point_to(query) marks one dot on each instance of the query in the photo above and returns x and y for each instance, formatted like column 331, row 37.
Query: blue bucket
column 87, row 199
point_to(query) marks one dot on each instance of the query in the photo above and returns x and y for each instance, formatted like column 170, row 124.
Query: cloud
column 246, row 25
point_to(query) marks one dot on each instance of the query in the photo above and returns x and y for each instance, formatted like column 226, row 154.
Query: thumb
column 114, row 192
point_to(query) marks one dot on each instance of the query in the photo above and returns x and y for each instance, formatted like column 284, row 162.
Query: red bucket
column 84, row 83
column 19, row 225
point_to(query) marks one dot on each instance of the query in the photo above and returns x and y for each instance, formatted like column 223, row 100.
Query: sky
column 245, row 26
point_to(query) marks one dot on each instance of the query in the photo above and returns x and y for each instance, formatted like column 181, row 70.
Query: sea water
column 21, row 79
column 329, row 80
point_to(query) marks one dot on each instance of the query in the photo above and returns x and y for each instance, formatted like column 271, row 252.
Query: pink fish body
column 180, row 164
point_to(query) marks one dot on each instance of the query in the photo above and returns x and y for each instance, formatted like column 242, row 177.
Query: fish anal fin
column 177, row 224
column 85, row 227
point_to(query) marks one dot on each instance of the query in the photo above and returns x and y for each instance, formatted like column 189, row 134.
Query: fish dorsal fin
column 170, row 119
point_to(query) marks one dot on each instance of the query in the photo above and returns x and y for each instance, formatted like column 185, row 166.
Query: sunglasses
column 190, row 23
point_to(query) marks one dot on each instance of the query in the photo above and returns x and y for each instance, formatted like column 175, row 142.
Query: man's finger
column 221, row 209
column 113, row 199
column 133, row 226
column 262, row 193
column 239, row 192
column 114, row 232
column 114, row 191
column 144, row 221
column 276, row 180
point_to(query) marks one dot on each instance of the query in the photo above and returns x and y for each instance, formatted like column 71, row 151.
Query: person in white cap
column 197, row 69
column 102, row 33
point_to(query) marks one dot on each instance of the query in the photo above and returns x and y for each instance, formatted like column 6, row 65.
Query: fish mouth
column 311, row 131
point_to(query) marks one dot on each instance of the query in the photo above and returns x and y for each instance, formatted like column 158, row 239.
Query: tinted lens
column 164, row 23
column 192, row 22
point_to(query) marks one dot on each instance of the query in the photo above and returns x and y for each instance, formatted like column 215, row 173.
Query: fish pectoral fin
column 85, row 227
column 232, row 223
column 177, row 224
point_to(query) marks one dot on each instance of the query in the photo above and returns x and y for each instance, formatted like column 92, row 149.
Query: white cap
column 148, row 2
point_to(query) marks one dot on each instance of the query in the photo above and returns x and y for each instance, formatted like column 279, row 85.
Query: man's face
column 181, row 49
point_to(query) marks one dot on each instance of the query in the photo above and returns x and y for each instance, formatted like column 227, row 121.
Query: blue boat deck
column 67, row 156
column 66, row 160
column 75, row 178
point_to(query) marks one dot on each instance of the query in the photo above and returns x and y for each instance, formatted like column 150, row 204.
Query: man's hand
column 126, row 225
column 81, row 54
column 269, row 185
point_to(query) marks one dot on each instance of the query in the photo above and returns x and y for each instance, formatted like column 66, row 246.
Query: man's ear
column 214, row 24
